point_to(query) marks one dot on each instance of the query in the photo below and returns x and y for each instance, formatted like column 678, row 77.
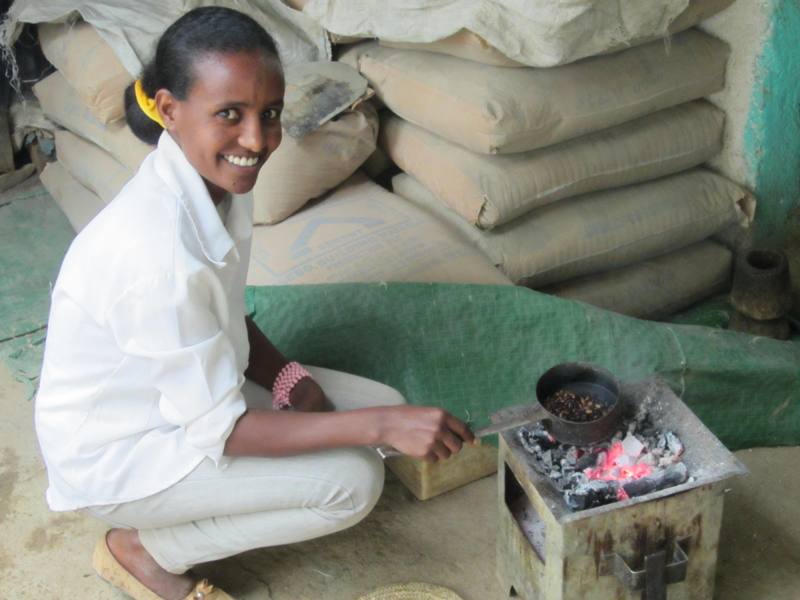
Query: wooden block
column 426, row 480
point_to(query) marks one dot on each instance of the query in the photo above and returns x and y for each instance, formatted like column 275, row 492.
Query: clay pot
column 761, row 285
column 778, row 329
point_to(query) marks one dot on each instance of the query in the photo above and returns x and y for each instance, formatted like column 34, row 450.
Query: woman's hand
column 424, row 432
column 307, row 396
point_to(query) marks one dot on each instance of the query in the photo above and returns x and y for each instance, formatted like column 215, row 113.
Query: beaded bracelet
column 284, row 384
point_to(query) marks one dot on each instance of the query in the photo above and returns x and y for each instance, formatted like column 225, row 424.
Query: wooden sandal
column 114, row 573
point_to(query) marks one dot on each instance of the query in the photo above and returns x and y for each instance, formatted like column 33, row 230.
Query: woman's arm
column 421, row 432
column 266, row 361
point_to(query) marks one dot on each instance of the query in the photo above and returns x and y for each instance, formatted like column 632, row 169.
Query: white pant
column 256, row 502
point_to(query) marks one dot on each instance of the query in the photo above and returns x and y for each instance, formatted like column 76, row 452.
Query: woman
column 144, row 415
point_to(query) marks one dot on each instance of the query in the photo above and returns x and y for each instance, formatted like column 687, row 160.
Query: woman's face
column 229, row 122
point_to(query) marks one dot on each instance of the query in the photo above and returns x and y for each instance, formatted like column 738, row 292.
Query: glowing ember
column 616, row 465
column 639, row 459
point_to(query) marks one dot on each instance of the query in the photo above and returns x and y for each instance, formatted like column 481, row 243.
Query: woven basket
column 411, row 591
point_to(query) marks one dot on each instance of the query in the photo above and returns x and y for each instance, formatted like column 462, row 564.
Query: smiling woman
column 230, row 123
column 216, row 85
column 144, row 416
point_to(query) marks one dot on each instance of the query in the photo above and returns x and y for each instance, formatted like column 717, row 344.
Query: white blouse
column 147, row 344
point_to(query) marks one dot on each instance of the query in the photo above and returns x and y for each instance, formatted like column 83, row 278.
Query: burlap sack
column 377, row 164
column 133, row 28
column 491, row 190
column 336, row 39
column 61, row 104
column 498, row 110
column 362, row 233
column 462, row 44
column 89, row 65
column 93, row 167
column 79, row 204
column 655, row 288
column 603, row 230
column 305, row 168
column 470, row 46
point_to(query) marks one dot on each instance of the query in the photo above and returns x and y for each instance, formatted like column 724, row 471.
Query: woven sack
column 604, row 230
column 362, row 233
column 491, row 110
column 488, row 191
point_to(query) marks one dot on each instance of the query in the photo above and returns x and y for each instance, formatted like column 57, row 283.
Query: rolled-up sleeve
column 174, row 326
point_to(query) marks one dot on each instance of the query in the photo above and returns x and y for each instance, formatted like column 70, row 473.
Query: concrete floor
column 448, row 540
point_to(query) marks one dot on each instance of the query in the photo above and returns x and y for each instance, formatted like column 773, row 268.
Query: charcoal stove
column 658, row 546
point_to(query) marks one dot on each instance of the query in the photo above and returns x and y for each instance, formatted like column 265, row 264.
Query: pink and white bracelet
column 284, row 384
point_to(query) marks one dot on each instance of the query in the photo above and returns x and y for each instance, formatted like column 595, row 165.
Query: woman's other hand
column 424, row 432
column 307, row 396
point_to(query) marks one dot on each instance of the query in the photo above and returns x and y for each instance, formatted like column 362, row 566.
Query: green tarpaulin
column 474, row 349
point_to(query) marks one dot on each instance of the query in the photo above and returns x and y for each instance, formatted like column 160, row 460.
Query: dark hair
column 202, row 31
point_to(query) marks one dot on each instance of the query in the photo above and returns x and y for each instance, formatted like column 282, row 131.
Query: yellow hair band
column 147, row 104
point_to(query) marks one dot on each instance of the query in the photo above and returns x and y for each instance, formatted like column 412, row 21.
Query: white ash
column 566, row 466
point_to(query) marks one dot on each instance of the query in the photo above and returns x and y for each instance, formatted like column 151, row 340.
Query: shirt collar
column 174, row 168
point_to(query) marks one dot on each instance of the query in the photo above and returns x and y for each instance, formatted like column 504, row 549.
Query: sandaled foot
column 140, row 568
column 109, row 568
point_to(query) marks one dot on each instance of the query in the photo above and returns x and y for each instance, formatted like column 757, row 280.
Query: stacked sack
column 582, row 179
column 359, row 233
column 97, row 152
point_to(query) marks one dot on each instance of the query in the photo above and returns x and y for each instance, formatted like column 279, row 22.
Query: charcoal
column 674, row 475
column 565, row 465
column 594, row 493
column 666, row 460
column 648, row 459
column 530, row 446
column 576, row 478
column 572, row 455
column 674, row 444
column 586, row 461
column 536, row 434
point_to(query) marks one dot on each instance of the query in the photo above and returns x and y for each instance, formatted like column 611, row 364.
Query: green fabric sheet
column 34, row 235
column 475, row 349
